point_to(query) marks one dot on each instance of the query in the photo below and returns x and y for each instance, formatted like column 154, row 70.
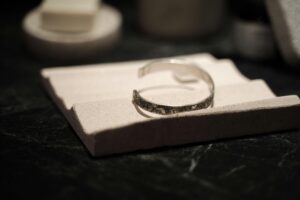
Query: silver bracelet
column 176, row 65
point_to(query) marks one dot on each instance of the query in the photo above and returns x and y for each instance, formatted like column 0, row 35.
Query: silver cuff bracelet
column 176, row 65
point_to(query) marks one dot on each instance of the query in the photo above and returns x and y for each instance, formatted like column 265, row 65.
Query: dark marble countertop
column 42, row 157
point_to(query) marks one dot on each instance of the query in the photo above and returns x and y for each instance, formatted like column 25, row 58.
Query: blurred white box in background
column 68, row 15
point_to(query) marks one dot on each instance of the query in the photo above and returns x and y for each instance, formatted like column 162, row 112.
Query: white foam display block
column 69, row 15
column 96, row 100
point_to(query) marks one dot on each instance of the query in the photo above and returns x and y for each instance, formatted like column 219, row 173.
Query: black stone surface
column 41, row 156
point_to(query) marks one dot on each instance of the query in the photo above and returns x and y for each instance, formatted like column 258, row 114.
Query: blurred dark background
column 219, row 43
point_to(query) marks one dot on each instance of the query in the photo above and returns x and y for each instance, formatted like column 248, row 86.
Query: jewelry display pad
column 97, row 101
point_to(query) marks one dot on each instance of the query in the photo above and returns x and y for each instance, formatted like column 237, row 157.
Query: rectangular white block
column 68, row 15
column 96, row 100
column 264, row 116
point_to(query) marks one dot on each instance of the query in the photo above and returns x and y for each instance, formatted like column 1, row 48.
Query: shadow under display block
column 96, row 100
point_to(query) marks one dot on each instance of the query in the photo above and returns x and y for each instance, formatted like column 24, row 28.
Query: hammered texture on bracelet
column 174, row 65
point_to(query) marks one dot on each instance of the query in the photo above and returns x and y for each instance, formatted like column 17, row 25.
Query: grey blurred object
column 181, row 18
column 285, row 18
column 71, row 46
column 253, row 40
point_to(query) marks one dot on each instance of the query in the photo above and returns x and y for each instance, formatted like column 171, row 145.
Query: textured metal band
column 179, row 66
